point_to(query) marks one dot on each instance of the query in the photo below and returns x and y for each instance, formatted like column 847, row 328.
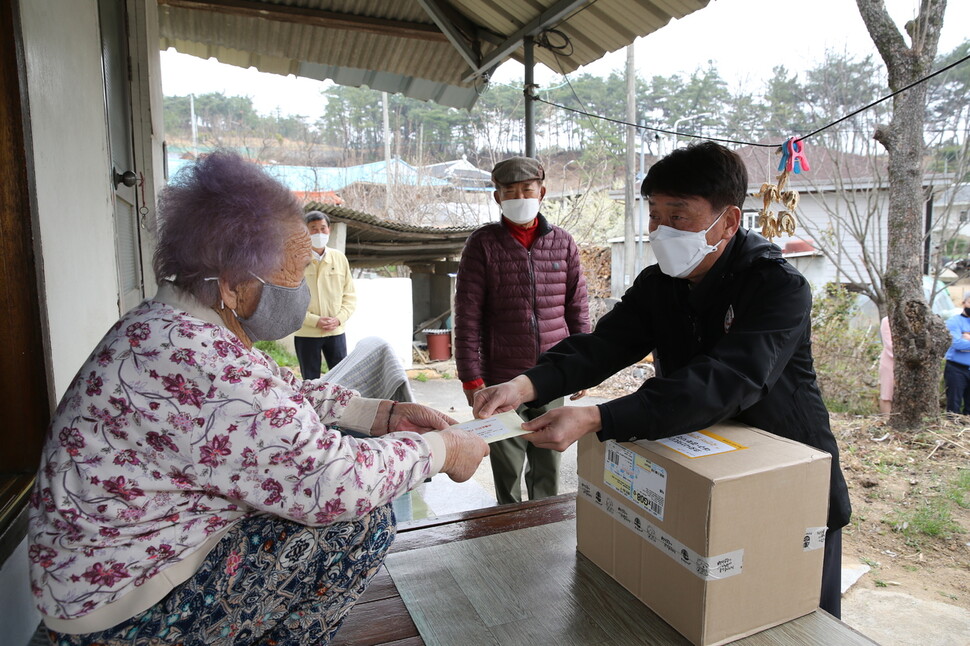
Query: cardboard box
column 719, row 532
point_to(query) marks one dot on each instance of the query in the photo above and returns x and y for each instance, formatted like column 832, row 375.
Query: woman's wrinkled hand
column 408, row 416
column 465, row 451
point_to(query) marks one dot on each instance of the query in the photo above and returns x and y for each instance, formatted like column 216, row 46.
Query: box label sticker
column 814, row 538
column 700, row 444
column 635, row 478
column 709, row 568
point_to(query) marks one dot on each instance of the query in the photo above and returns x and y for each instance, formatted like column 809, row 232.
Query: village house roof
column 374, row 242
column 830, row 169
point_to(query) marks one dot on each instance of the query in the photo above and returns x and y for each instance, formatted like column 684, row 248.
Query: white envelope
column 500, row 427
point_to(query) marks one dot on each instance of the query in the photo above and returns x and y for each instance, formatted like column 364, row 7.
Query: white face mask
column 679, row 252
column 319, row 240
column 521, row 211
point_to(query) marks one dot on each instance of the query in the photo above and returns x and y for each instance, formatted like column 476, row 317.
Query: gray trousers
column 509, row 458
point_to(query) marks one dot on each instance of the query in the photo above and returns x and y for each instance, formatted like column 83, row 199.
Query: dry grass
column 910, row 494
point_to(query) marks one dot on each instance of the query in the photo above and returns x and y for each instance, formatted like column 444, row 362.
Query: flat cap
column 517, row 169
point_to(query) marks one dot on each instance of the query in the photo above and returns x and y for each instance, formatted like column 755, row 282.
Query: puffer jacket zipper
column 535, row 315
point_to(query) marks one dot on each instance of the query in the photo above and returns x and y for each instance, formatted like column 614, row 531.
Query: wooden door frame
column 140, row 49
column 25, row 369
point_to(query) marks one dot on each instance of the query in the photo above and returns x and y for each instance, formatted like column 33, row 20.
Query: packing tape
column 814, row 538
column 709, row 568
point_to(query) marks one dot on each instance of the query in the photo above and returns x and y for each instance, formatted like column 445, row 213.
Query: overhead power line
column 591, row 115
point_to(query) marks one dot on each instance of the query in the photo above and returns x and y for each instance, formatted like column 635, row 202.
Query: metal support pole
column 389, row 181
column 195, row 131
column 530, row 115
column 640, row 199
column 629, row 219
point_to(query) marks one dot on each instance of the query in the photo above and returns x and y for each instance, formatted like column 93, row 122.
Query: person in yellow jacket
column 332, row 301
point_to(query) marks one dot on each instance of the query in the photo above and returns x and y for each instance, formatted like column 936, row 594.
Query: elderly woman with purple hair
column 191, row 490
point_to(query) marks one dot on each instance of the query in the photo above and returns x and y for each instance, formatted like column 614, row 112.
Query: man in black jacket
column 728, row 321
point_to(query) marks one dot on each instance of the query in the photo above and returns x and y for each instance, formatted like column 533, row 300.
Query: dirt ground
column 901, row 486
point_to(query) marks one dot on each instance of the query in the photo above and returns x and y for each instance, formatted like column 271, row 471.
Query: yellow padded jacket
column 331, row 293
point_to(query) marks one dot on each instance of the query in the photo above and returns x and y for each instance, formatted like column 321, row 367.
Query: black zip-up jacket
column 735, row 346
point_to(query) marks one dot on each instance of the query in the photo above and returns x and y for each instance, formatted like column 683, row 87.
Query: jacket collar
column 182, row 300
column 742, row 251
column 543, row 226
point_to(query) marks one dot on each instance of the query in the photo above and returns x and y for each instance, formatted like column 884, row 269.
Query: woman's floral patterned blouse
column 174, row 430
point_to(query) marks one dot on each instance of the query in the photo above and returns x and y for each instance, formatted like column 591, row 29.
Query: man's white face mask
column 520, row 211
column 679, row 252
column 319, row 240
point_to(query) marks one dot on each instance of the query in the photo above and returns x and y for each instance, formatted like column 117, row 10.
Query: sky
column 746, row 39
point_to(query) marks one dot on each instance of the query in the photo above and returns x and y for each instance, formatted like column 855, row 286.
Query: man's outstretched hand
column 503, row 397
column 562, row 426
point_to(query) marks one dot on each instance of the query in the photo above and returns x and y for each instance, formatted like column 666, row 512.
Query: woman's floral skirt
column 268, row 581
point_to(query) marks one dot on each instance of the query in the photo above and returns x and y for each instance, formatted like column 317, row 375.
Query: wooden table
column 381, row 617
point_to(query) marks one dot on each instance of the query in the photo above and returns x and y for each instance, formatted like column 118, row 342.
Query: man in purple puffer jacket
column 520, row 290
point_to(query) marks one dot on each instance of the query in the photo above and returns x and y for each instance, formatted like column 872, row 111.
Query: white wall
column 384, row 310
column 852, row 208
column 76, row 235
column 815, row 223
column 71, row 167
column 74, row 212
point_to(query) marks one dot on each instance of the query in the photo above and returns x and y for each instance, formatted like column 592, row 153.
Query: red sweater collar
column 525, row 235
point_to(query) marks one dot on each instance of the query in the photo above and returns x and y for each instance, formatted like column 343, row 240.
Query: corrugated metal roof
column 373, row 242
column 396, row 46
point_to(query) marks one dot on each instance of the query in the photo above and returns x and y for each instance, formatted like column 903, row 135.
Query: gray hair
column 221, row 217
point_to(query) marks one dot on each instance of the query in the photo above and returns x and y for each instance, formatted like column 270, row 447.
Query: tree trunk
column 920, row 338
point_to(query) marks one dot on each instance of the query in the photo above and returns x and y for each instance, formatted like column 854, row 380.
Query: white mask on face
column 319, row 240
column 679, row 252
column 521, row 211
